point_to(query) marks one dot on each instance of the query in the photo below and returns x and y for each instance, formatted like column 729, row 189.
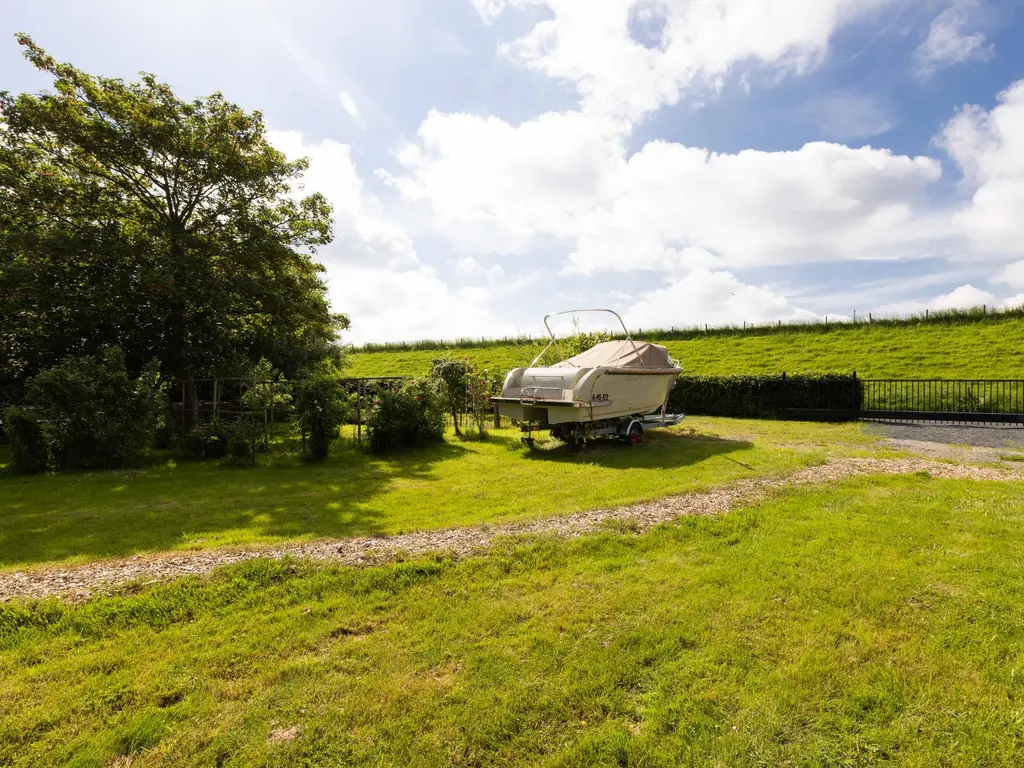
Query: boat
column 612, row 389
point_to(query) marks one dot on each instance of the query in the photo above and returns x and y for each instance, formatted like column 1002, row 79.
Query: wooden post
column 216, row 398
column 497, row 416
column 183, row 420
column 252, row 441
column 273, row 390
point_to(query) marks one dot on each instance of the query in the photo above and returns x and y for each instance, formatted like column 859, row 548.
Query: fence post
column 359, row 410
column 252, row 444
column 216, row 398
column 497, row 416
column 273, row 397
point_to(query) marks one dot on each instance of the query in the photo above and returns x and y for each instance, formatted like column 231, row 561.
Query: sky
column 680, row 161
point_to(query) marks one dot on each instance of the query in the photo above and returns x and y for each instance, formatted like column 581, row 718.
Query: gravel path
column 80, row 582
column 990, row 436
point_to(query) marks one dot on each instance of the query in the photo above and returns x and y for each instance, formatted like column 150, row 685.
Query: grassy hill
column 963, row 345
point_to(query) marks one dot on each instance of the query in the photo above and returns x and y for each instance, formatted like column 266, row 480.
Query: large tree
column 170, row 228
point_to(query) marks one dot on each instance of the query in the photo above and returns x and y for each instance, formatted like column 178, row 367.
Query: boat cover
column 621, row 354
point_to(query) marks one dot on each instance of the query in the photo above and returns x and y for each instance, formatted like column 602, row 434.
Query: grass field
column 171, row 504
column 877, row 621
column 985, row 349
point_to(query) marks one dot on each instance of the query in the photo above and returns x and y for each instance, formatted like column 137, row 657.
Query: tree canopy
column 169, row 228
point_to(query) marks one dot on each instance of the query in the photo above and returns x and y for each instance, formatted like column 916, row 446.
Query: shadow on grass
column 661, row 449
column 176, row 504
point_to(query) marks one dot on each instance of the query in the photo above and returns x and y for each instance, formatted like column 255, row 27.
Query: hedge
column 753, row 397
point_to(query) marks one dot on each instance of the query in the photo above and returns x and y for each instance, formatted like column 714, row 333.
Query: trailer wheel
column 635, row 436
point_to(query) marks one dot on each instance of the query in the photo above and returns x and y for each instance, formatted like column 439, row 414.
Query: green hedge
column 753, row 397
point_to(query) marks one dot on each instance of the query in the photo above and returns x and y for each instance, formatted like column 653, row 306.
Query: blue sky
column 683, row 161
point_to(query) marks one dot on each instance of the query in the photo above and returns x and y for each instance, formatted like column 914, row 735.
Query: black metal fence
column 953, row 401
column 948, row 400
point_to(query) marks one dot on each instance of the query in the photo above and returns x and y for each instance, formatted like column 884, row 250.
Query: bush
column 764, row 396
column 449, row 380
column 86, row 412
column 320, row 409
column 28, row 442
column 408, row 418
column 209, row 440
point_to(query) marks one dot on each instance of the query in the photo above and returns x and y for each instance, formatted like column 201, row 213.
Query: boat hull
column 557, row 396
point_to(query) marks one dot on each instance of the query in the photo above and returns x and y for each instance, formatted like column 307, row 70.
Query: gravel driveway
column 81, row 581
column 1010, row 437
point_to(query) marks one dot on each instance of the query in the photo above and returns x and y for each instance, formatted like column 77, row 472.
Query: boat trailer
column 628, row 429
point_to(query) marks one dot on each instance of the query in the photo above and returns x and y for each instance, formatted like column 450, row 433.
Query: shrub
column 320, row 409
column 407, row 418
column 209, row 440
column 764, row 396
column 449, row 380
column 262, row 398
column 87, row 413
column 28, row 442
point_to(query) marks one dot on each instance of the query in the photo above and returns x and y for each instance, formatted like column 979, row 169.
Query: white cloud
column 349, row 105
column 964, row 297
column 715, row 298
column 1014, row 302
column 841, row 116
column 489, row 10
column 388, row 305
column 363, row 231
column 589, row 44
column 949, row 42
column 989, row 147
column 373, row 271
column 680, row 207
column 497, row 188
column 492, row 187
column 1011, row 275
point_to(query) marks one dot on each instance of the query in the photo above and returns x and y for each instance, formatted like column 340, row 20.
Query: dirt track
column 80, row 582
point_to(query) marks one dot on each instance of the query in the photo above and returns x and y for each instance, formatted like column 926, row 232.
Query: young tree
column 176, row 217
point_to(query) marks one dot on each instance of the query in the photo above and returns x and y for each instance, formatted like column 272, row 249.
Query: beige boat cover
column 621, row 354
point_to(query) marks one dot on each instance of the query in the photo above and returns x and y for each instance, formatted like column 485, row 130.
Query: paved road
column 984, row 436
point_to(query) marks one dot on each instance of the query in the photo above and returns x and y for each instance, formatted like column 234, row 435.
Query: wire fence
column 191, row 403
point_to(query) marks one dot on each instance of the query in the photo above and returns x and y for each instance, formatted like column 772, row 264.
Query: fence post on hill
column 497, row 416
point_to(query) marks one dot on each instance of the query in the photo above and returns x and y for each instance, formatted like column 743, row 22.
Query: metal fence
column 223, row 398
column 948, row 400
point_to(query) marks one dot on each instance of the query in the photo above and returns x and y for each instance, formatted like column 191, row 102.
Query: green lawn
column 196, row 505
column 987, row 349
column 877, row 621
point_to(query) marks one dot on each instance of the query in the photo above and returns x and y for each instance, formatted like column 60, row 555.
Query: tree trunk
column 177, row 332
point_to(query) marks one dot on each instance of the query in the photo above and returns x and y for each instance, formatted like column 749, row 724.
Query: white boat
column 611, row 389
